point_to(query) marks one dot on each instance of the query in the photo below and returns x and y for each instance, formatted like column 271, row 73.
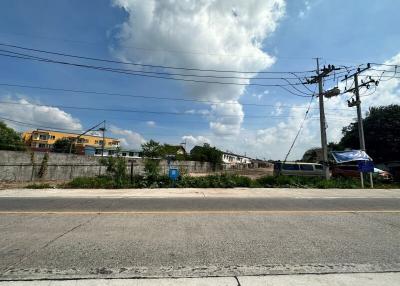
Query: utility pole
column 321, row 93
column 103, row 129
column 322, row 122
column 80, row 135
column 357, row 103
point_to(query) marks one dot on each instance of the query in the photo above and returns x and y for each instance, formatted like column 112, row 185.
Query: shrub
column 116, row 167
column 152, row 168
column 39, row 186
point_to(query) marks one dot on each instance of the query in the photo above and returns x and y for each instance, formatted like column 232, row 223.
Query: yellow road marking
column 192, row 212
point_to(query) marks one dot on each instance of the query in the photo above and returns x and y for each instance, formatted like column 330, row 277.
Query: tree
column 206, row 153
column 312, row 155
column 9, row 139
column 152, row 149
column 175, row 150
column 116, row 167
column 63, row 145
column 382, row 136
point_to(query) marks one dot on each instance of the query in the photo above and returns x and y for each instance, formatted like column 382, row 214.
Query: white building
column 231, row 159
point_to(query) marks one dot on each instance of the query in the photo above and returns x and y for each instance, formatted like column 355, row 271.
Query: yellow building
column 44, row 139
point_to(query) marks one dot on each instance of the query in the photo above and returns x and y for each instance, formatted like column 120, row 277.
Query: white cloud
column 150, row 123
column 37, row 116
column 195, row 140
column 129, row 138
column 274, row 142
column 226, row 118
column 198, row 111
column 208, row 35
column 278, row 110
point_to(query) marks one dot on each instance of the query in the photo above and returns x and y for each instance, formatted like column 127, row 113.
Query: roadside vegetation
column 220, row 181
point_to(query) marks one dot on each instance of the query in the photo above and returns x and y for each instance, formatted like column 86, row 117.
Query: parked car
column 353, row 172
column 382, row 175
column 346, row 170
column 298, row 169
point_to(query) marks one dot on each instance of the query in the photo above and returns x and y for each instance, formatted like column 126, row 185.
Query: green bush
column 216, row 181
column 39, row 186
column 152, row 168
column 307, row 182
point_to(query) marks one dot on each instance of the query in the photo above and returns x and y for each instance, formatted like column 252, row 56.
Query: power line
column 154, row 97
column 148, row 65
column 153, row 76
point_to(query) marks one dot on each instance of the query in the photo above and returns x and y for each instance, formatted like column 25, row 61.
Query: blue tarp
column 352, row 155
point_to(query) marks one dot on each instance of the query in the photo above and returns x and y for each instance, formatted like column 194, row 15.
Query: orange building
column 43, row 140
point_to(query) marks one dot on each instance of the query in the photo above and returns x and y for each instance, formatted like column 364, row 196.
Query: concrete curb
column 203, row 193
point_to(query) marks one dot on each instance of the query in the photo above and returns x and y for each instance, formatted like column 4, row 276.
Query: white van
column 298, row 169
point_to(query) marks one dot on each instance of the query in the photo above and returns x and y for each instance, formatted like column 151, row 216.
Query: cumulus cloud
column 205, row 34
column 37, row 116
column 226, row 118
column 195, row 140
column 274, row 142
column 129, row 138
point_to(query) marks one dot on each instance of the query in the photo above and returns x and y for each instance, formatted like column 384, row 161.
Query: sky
column 258, row 36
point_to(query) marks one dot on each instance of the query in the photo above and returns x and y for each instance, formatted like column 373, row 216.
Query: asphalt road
column 196, row 204
column 191, row 237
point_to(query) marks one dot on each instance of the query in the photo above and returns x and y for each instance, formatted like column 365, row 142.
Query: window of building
column 42, row 145
column 131, row 154
column 98, row 151
column 123, row 154
column 318, row 167
column 42, row 137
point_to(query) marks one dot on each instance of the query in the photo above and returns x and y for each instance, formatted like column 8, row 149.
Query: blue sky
column 340, row 32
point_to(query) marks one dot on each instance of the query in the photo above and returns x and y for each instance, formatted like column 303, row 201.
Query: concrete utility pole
column 103, row 129
column 318, row 79
column 359, row 114
column 322, row 121
column 80, row 135
column 357, row 103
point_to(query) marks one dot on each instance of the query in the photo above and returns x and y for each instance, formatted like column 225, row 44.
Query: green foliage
column 39, row 186
column 152, row 149
column 152, row 167
column 63, row 145
column 206, row 153
column 9, row 139
column 219, row 181
column 382, row 136
column 116, row 168
column 307, row 182
column 167, row 149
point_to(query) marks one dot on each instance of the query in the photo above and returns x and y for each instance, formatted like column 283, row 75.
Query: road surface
column 67, row 237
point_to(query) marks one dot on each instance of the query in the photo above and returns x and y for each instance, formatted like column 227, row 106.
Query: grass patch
column 217, row 181
column 39, row 186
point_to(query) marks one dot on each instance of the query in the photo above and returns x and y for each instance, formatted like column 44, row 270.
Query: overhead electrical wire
column 148, row 65
column 140, row 111
column 152, row 97
column 155, row 76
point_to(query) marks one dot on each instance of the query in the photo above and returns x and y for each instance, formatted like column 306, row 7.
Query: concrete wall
column 25, row 166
